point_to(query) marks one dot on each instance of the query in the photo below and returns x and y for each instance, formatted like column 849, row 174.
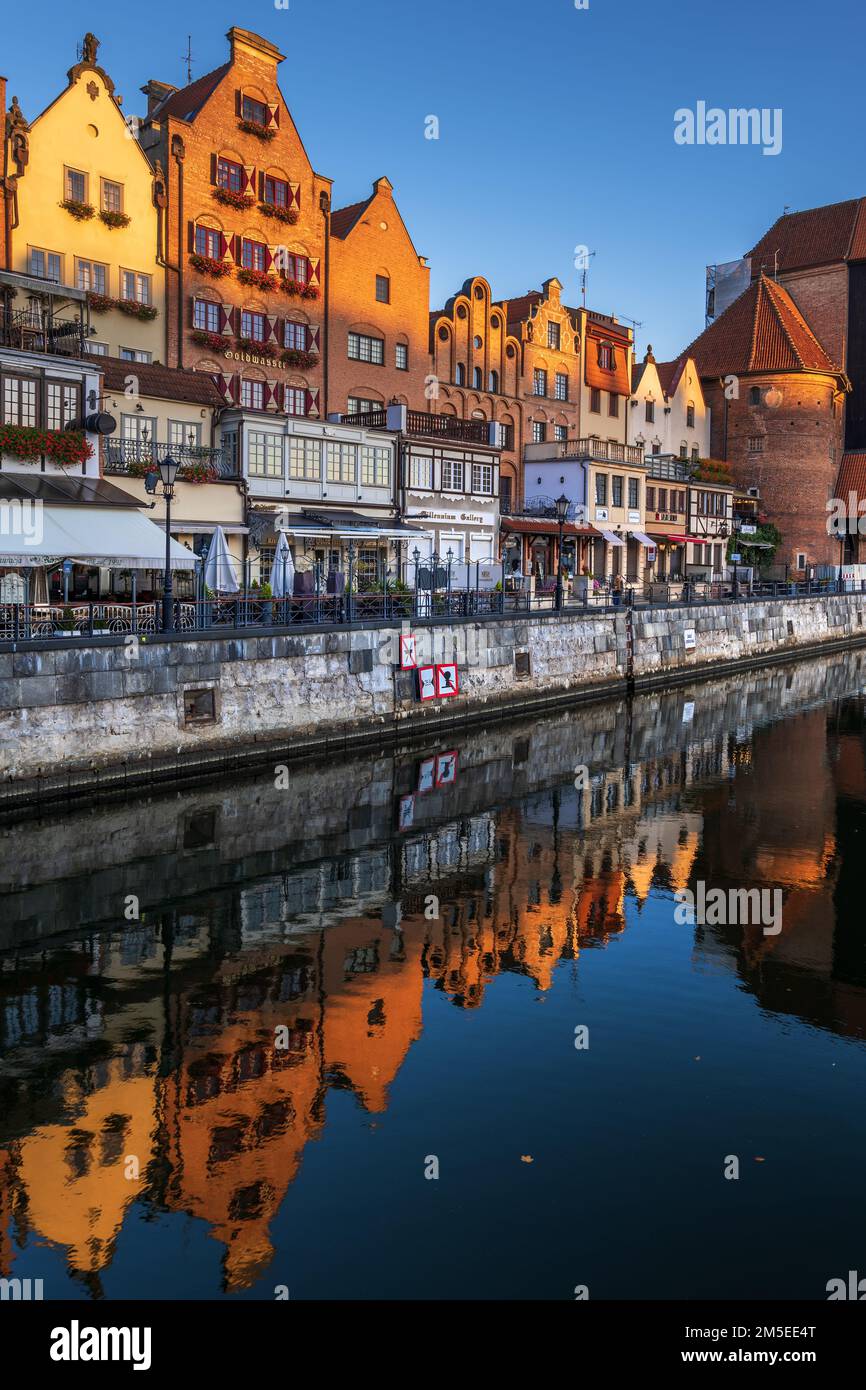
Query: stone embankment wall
column 107, row 712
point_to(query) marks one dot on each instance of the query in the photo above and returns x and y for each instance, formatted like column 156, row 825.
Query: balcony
column 54, row 318
column 591, row 450
column 422, row 424
column 669, row 468
column 133, row 458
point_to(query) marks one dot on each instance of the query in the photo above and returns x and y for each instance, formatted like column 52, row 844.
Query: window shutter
column 249, row 179
column 191, row 236
column 272, row 393
column 225, row 386
column 224, row 246
column 270, row 256
column 261, row 185
column 313, row 338
column 313, row 267
column 273, row 114
column 294, row 195
column 313, row 404
column 213, row 168
column 226, row 318
column 272, row 328
column 239, row 101
column 232, row 249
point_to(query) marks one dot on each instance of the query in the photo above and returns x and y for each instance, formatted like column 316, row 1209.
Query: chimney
column 156, row 93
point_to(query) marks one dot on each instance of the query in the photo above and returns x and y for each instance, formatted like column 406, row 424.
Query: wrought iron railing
column 39, row 331
column 133, row 458
column 425, row 424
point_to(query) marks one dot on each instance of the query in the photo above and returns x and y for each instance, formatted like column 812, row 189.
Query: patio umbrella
column 219, row 570
column 283, row 569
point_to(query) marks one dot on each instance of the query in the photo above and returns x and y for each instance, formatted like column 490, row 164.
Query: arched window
column 460, row 374
column 477, row 379
column 755, row 395
column 494, row 381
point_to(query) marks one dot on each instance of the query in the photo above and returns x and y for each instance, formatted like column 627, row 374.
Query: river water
column 427, row 1026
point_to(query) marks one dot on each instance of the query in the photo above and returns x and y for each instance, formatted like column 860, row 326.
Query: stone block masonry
column 75, row 719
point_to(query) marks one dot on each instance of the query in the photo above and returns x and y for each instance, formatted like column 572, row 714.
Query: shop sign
column 467, row 518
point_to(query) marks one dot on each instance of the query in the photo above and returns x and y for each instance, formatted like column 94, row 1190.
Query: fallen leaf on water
column 760, row 1160
column 526, row 1158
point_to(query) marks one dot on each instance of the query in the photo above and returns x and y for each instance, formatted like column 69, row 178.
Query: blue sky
column 556, row 124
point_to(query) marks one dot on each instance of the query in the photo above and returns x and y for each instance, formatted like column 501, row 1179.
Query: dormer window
column 252, row 110
column 606, row 357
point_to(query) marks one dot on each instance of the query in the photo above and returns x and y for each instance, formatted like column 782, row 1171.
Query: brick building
column 378, row 297
column 549, row 383
column 776, row 397
column 247, row 226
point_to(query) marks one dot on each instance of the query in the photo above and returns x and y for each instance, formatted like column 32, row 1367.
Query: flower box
column 310, row 292
column 215, row 341
column 197, row 473
column 261, row 279
column 230, row 199
column 82, row 212
column 100, row 303
column 298, row 357
column 136, row 310
column 208, row 266
column 263, row 132
column 289, row 215
column 64, row 447
column 114, row 219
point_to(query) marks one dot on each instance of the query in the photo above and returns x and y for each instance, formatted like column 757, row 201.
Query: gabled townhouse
column 667, row 413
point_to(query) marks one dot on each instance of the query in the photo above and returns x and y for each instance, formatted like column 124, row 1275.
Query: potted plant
column 266, row 594
column 66, row 627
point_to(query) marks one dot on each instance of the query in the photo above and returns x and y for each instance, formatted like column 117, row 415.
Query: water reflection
column 292, row 946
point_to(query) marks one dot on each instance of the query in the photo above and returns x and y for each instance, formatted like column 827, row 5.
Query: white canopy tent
column 111, row 537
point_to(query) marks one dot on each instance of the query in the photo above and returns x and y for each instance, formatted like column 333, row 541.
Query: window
column 553, row 335
column 695, row 453
column 684, row 451
column 305, row 459
column 91, row 275
column 341, row 463
column 208, row 243
column 383, row 289
column 650, row 412
column 252, row 110
column 616, row 491
column 375, row 465
column 138, row 429
column 401, row 357
column 252, row 394
column 656, row 449
column 650, row 499
column 477, row 378
column 663, row 499
column 135, row 287
column 295, row 336
column 75, row 185
column 606, row 356
column 112, row 196
column 230, row 175
column 18, row 401
column 46, row 265
column 601, row 489
column 508, row 436
column 206, row 315
column 297, row 268
column 633, row 492
column 452, row 475
column 755, row 395
column 493, row 384
column 801, row 560
column 539, row 382
column 460, row 374
column 276, row 192
column 184, row 434
column 265, row 454
column 296, row 400
column 560, row 387
column 595, row 400
column 613, row 404
column 482, row 477
column 690, row 416
column 134, row 355
column 95, row 349
column 505, row 495
column 539, row 431
column 61, row 404
column 363, row 348
column 359, row 405
column 253, row 325
column 756, row 444
column 560, row 432
column 254, row 254
column 421, row 471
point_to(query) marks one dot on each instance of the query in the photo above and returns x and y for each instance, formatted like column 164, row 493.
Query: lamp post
column 562, row 505
column 167, row 473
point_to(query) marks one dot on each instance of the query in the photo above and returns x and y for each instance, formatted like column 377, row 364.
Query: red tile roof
column 670, row 373
column 188, row 101
column 161, row 383
column 852, row 476
column 344, row 219
column 818, row 236
column 762, row 331
column 521, row 308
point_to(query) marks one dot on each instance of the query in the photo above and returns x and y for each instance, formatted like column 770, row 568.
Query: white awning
column 111, row 537
column 643, row 539
column 611, row 537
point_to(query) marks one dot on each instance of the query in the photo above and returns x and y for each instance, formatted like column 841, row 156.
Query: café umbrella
column 283, row 569
column 219, row 569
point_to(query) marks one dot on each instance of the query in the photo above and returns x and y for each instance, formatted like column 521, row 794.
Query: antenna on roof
column 635, row 323
column 187, row 58
column 583, row 261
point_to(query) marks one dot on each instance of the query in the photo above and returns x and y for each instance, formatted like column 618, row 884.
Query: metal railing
column 133, row 458
column 425, row 424
column 40, row 331
column 599, row 450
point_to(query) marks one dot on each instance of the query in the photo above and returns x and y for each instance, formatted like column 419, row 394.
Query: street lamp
column 167, row 474
column 562, row 505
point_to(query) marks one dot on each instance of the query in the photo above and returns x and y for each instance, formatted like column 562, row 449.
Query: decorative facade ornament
column 92, row 91
column 89, row 49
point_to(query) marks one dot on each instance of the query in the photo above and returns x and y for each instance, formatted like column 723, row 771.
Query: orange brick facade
column 273, row 265
column 378, row 289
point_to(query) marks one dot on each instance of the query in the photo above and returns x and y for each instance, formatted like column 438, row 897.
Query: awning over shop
column 203, row 528
column 111, row 537
column 345, row 526
column 542, row 526
column 643, row 539
column 611, row 537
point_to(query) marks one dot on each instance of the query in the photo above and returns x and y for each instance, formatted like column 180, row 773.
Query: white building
column 667, row 413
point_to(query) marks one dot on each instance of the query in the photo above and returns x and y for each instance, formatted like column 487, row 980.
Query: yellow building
column 88, row 212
